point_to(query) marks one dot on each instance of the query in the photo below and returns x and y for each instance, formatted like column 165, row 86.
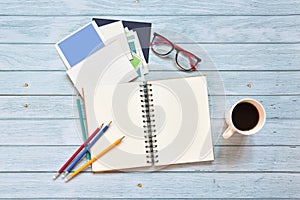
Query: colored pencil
column 84, row 109
column 83, row 130
column 78, row 158
column 94, row 159
column 77, row 152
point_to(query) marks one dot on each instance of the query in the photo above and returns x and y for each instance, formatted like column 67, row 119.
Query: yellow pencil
column 94, row 159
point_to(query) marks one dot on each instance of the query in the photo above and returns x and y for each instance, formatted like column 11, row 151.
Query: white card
column 115, row 32
column 108, row 65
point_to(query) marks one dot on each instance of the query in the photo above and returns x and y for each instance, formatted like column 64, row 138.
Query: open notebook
column 164, row 121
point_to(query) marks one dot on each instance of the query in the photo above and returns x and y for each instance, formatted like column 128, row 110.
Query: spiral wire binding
column 149, row 123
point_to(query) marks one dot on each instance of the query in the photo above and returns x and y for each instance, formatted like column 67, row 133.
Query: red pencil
column 75, row 154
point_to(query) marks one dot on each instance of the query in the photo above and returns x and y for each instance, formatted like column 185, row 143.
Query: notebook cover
column 79, row 45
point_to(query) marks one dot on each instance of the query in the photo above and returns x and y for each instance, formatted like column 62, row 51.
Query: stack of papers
column 106, row 51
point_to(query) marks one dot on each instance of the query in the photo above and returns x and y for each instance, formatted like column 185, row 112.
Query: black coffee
column 245, row 116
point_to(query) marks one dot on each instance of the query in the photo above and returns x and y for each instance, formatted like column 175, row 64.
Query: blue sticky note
column 80, row 45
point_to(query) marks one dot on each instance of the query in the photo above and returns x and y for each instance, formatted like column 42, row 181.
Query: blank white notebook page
column 120, row 104
column 182, row 122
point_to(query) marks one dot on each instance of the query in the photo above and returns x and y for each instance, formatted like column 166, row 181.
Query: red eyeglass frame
column 178, row 49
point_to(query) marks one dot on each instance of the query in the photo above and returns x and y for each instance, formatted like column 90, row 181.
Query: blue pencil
column 78, row 158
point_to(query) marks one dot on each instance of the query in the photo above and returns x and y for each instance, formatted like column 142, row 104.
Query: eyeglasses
column 185, row 60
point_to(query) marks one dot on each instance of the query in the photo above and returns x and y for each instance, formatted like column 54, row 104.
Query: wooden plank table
column 254, row 45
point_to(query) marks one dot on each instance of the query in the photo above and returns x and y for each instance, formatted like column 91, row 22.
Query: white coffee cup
column 238, row 116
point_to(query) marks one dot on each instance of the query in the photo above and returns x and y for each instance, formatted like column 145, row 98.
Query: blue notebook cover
column 79, row 45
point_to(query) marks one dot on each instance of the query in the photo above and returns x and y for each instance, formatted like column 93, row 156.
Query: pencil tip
column 109, row 123
column 100, row 127
column 55, row 176
column 67, row 179
column 65, row 174
column 122, row 137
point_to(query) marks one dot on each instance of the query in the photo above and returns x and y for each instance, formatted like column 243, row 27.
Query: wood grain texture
column 227, row 159
column 220, row 56
column 235, row 83
column 276, row 132
column 154, row 185
column 62, row 107
column 132, row 7
column 255, row 45
column 209, row 29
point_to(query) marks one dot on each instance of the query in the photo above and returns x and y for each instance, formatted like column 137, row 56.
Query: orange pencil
column 94, row 159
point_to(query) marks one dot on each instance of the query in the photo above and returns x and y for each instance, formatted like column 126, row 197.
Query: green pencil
column 88, row 156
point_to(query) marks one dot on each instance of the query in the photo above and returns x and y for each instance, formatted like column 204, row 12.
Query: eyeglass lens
column 186, row 60
column 163, row 47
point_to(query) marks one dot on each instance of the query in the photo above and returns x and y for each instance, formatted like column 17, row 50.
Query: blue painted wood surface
column 255, row 45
